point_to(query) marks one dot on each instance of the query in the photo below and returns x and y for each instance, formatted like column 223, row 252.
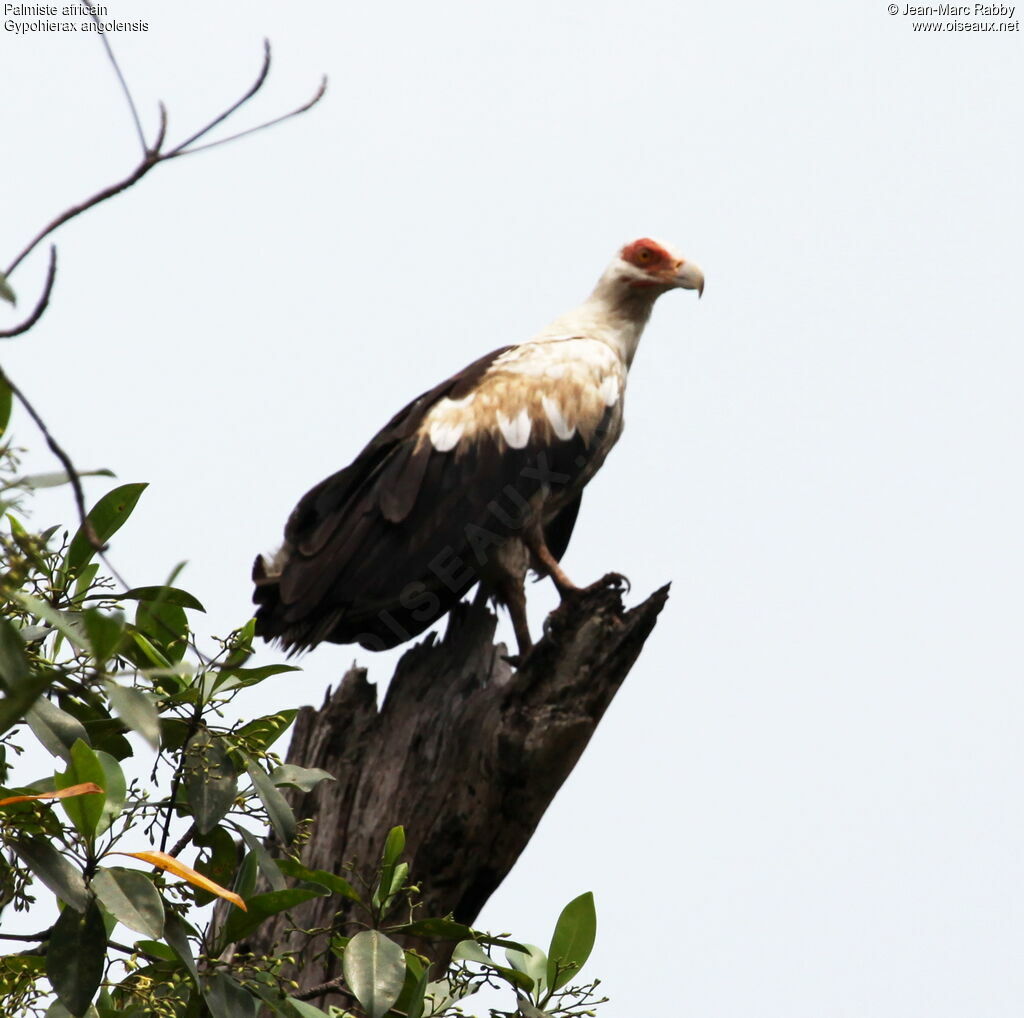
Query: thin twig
column 41, row 304
column 33, row 937
column 335, row 985
column 317, row 96
column 76, row 210
column 73, row 475
column 161, row 133
column 182, row 843
column 253, row 89
column 179, row 774
column 154, row 156
column 134, row 950
column 113, row 572
column 124, row 85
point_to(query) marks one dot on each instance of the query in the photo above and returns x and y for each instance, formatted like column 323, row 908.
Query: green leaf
column 398, row 878
column 176, row 933
column 334, row 883
column 104, row 731
column 280, row 813
column 227, row 999
column 6, row 293
column 435, row 929
column 107, row 517
column 410, row 1001
column 55, row 729
column 240, row 645
column 173, row 734
column 233, row 678
column 394, row 846
column 530, row 1010
column 58, row 1010
column 130, row 897
column 136, row 710
column 104, row 632
column 24, row 687
column 302, row 1009
column 116, row 787
column 572, row 941
column 168, row 595
column 6, row 404
column 53, row 870
column 303, row 778
column 533, row 962
column 470, row 950
column 166, row 627
column 268, row 865
column 83, row 811
column 147, row 655
column 75, row 957
column 92, row 814
column 160, row 949
column 374, row 967
column 13, row 662
column 261, row 906
column 86, row 578
column 210, row 779
column 54, row 479
column 247, row 875
column 509, row 945
column 68, row 624
column 261, row 734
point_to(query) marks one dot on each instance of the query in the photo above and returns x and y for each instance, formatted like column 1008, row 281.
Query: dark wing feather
column 379, row 551
column 339, row 516
column 559, row 530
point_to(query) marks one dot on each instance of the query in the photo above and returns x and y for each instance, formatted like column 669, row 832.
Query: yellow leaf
column 86, row 788
column 179, row 869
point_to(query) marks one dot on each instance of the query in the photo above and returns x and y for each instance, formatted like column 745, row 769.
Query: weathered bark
column 466, row 753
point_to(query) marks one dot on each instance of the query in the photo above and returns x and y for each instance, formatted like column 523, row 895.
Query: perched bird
column 477, row 480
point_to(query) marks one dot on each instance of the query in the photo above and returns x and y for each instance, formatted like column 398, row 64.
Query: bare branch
column 41, row 304
column 336, row 986
column 76, row 210
column 183, row 842
column 318, row 95
column 124, row 85
column 161, row 133
column 253, row 89
column 154, row 156
column 36, row 937
column 73, row 476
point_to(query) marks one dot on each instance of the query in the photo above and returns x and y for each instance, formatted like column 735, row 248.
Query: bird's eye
column 644, row 254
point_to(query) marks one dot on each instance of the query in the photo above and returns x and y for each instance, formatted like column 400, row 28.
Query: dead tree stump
column 466, row 753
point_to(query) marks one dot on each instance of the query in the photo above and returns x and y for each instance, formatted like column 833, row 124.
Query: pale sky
column 804, row 802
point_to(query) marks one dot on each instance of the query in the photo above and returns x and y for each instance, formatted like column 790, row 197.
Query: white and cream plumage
column 476, row 481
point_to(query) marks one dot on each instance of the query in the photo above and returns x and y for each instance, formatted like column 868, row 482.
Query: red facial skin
column 652, row 258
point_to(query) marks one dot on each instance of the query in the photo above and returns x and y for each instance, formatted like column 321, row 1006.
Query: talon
column 610, row 581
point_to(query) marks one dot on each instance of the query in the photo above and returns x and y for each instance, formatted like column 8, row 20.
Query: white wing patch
column 547, row 390
column 516, row 431
column 445, row 434
column 561, row 427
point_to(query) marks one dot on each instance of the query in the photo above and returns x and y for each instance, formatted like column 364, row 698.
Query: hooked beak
column 689, row 277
